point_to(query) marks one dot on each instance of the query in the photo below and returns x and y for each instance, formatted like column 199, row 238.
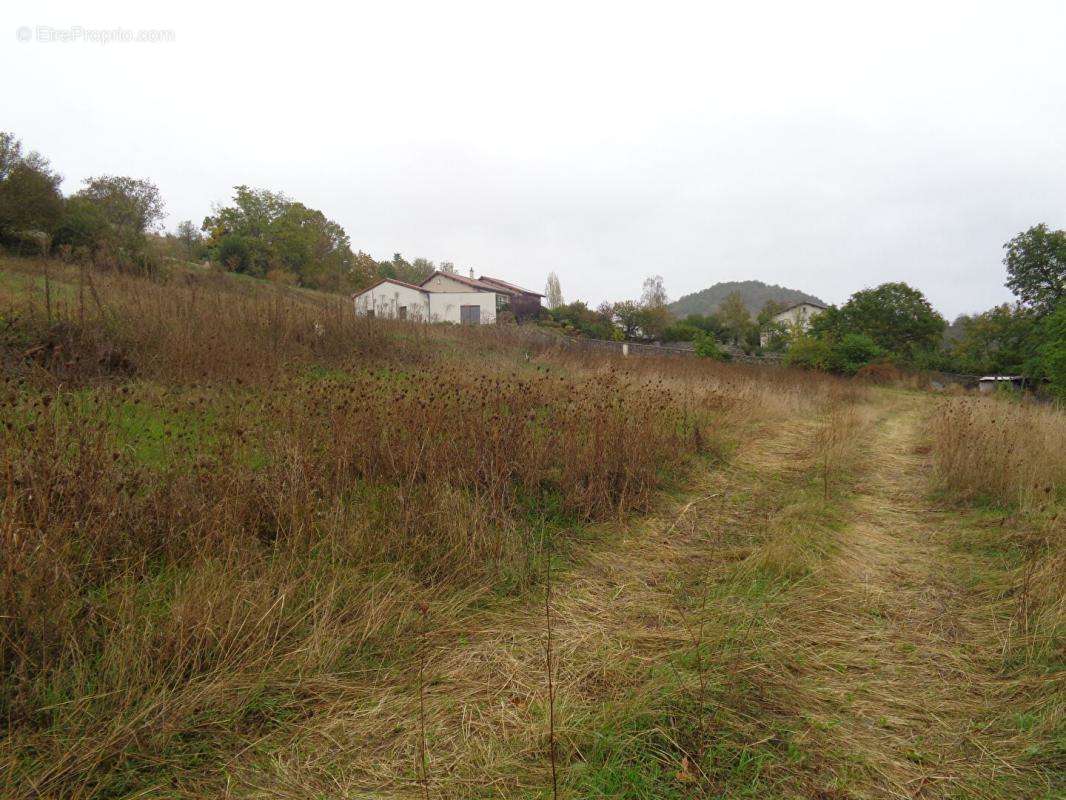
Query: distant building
column 989, row 383
column 796, row 317
column 446, row 297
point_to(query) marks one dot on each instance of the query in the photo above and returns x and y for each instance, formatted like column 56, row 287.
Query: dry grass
column 1000, row 451
column 653, row 644
column 1009, row 458
column 254, row 546
column 221, row 503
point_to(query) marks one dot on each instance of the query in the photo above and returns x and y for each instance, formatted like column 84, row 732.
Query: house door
column 470, row 315
column 403, row 312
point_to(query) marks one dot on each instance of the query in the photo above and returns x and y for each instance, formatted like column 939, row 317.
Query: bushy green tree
column 1001, row 340
column 128, row 204
column 1036, row 268
column 654, row 321
column 1052, row 350
column 809, row 352
column 82, row 224
column 845, row 355
column 30, row 200
column 853, row 352
column 627, row 315
column 682, row 331
column 264, row 231
column 735, row 319
column 895, row 316
column 119, row 211
column 579, row 318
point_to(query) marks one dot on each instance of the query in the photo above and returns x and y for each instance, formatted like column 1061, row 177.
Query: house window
column 403, row 312
column 370, row 313
column 470, row 315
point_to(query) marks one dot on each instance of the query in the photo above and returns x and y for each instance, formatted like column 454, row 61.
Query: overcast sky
column 822, row 146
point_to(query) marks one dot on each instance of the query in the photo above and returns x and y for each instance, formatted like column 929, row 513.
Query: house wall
column 386, row 299
column 445, row 306
column 442, row 283
column 800, row 315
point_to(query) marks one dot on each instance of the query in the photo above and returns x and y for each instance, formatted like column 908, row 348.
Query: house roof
column 391, row 280
column 797, row 305
column 510, row 286
column 481, row 287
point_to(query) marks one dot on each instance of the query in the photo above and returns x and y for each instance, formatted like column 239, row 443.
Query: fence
column 680, row 349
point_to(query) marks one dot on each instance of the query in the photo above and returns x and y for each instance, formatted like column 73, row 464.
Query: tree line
column 891, row 324
column 894, row 323
column 649, row 319
column 114, row 221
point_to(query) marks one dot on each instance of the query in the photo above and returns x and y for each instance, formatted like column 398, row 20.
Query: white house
column 796, row 317
column 442, row 297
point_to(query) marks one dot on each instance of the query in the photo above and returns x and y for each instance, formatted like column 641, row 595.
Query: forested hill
column 754, row 293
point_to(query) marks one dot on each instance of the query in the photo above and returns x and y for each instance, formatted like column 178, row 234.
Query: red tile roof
column 509, row 286
column 481, row 287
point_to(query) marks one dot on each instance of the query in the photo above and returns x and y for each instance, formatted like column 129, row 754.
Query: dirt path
column 750, row 641
column 899, row 646
column 614, row 620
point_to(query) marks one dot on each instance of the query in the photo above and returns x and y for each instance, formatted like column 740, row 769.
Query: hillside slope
column 754, row 293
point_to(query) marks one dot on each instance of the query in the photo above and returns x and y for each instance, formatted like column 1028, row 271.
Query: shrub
column 809, row 352
column 1053, row 350
column 707, row 347
column 852, row 352
column 844, row 356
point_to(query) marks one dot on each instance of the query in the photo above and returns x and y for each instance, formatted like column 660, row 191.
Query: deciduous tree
column 735, row 318
column 553, row 292
column 189, row 236
column 1036, row 268
column 30, row 199
column 131, row 205
column 654, row 293
column 895, row 316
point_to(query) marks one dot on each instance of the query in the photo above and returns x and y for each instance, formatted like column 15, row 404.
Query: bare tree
column 654, row 294
column 553, row 291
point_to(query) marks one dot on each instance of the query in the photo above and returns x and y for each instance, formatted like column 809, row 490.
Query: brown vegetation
column 1000, row 451
column 1011, row 454
column 217, row 495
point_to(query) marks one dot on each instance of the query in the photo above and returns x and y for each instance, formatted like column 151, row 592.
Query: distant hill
column 754, row 293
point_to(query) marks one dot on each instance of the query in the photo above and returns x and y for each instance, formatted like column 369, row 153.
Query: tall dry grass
column 1013, row 454
column 217, row 498
column 1000, row 451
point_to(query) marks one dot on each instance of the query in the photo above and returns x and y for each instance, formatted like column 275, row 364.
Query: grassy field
column 257, row 547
